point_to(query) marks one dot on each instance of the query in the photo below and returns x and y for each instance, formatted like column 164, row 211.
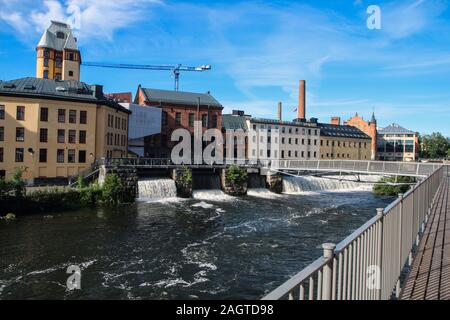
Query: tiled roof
column 393, row 129
column 233, row 122
column 56, row 89
column 342, row 131
column 180, row 97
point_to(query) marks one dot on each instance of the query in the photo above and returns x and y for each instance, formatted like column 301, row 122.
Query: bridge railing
column 361, row 166
column 367, row 264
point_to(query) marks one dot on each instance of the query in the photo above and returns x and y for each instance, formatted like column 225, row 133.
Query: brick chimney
column 301, row 112
column 280, row 111
column 336, row 120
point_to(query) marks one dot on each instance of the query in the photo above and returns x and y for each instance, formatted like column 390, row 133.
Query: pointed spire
column 373, row 118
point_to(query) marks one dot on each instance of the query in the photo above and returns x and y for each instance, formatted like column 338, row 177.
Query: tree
column 113, row 191
column 435, row 146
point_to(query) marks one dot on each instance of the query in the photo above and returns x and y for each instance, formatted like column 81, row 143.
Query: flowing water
column 157, row 188
column 213, row 246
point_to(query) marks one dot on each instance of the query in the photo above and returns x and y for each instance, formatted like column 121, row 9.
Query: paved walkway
column 429, row 278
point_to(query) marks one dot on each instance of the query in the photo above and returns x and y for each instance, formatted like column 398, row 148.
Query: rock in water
column 10, row 217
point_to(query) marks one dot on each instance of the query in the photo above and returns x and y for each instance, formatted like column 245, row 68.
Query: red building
column 179, row 110
column 368, row 127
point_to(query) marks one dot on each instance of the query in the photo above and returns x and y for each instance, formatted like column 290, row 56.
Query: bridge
column 412, row 232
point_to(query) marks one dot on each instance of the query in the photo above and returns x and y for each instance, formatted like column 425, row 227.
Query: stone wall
column 183, row 182
column 275, row 183
column 128, row 176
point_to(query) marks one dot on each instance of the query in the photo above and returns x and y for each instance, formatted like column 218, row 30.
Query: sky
column 258, row 51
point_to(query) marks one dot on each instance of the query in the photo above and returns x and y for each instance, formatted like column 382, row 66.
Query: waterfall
column 157, row 188
column 308, row 183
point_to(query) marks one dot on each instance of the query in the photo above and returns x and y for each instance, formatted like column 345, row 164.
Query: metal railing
column 168, row 163
column 367, row 265
column 358, row 166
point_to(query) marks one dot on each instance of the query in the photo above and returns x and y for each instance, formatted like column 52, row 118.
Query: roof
column 57, row 89
column 342, row 131
column 233, row 122
column 285, row 123
column 180, row 97
column 395, row 129
column 50, row 40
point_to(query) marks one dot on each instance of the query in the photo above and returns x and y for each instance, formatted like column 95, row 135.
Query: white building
column 144, row 121
column 283, row 140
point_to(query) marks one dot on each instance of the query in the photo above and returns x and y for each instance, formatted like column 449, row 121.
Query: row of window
column 60, row 155
column 116, row 139
column 117, row 122
column 289, row 130
column 289, row 140
column 73, row 114
column 43, row 135
column 339, row 155
column 289, row 154
column 191, row 119
column 344, row 144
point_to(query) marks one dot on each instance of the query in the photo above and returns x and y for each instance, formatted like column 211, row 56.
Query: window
column 72, row 136
column 83, row 117
column 43, row 135
column 2, row 112
column 44, row 114
column 178, row 118
column 1, row 154
column 19, row 154
column 60, row 155
column 61, row 115
column 82, row 156
column 60, row 35
column 45, row 74
column 61, row 136
column 71, row 156
column 43, row 155
column 2, row 133
column 205, row 120
column 58, row 63
column 214, row 121
column 46, row 53
column 20, row 115
column 164, row 118
column 20, row 134
column 82, row 137
column 191, row 119
column 71, row 58
column 72, row 116
column 70, row 73
column 45, row 62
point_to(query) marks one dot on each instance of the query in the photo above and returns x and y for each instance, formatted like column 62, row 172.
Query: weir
column 156, row 188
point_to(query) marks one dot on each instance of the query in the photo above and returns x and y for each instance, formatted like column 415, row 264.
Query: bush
column 113, row 191
column 54, row 200
column 81, row 182
column 18, row 184
column 91, row 195
column 386, row 189
column 236, row 175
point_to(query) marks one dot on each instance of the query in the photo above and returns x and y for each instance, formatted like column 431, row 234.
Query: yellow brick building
column 342, row 142
column 57, row 54
column 56, row 129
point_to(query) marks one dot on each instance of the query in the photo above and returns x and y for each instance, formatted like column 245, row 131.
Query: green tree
column 18, row 184
column 435, row 146
column 236, row 175
column 390, row 189
column 113, row 191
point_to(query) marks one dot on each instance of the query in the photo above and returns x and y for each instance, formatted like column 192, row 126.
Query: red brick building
column 368, row 127
column 179, row 110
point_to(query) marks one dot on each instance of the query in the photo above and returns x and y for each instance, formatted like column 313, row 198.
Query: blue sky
column 259, row 50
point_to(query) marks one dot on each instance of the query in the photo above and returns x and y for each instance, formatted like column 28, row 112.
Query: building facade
column 57, row 54
column 285, row 140
column 178, row 110
column 396, row 143
column 56, row 129
column 344, row 142
column 368, row 127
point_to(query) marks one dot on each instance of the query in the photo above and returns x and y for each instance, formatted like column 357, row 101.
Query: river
column 211, row 247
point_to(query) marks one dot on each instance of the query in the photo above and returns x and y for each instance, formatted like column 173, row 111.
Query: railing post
column 400, row 223
column 380, row 217
column 328, row 254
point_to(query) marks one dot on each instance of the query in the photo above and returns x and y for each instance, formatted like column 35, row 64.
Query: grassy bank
column 388, row 186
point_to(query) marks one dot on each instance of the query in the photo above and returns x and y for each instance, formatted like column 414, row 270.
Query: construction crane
column 176, row 69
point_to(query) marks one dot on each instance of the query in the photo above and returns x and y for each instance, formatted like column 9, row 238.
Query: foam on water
column 157, row 188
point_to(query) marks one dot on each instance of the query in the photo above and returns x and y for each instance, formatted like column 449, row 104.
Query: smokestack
column 301, row 112
column 280, row 111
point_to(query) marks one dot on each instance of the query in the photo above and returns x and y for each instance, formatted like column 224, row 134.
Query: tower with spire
column 57, row 54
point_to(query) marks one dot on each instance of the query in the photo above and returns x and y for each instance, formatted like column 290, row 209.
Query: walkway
column 429, row 277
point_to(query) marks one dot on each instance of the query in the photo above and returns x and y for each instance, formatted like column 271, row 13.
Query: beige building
column 57, row 54
column 343, row 142
column 396, row 143
column 56, row 129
